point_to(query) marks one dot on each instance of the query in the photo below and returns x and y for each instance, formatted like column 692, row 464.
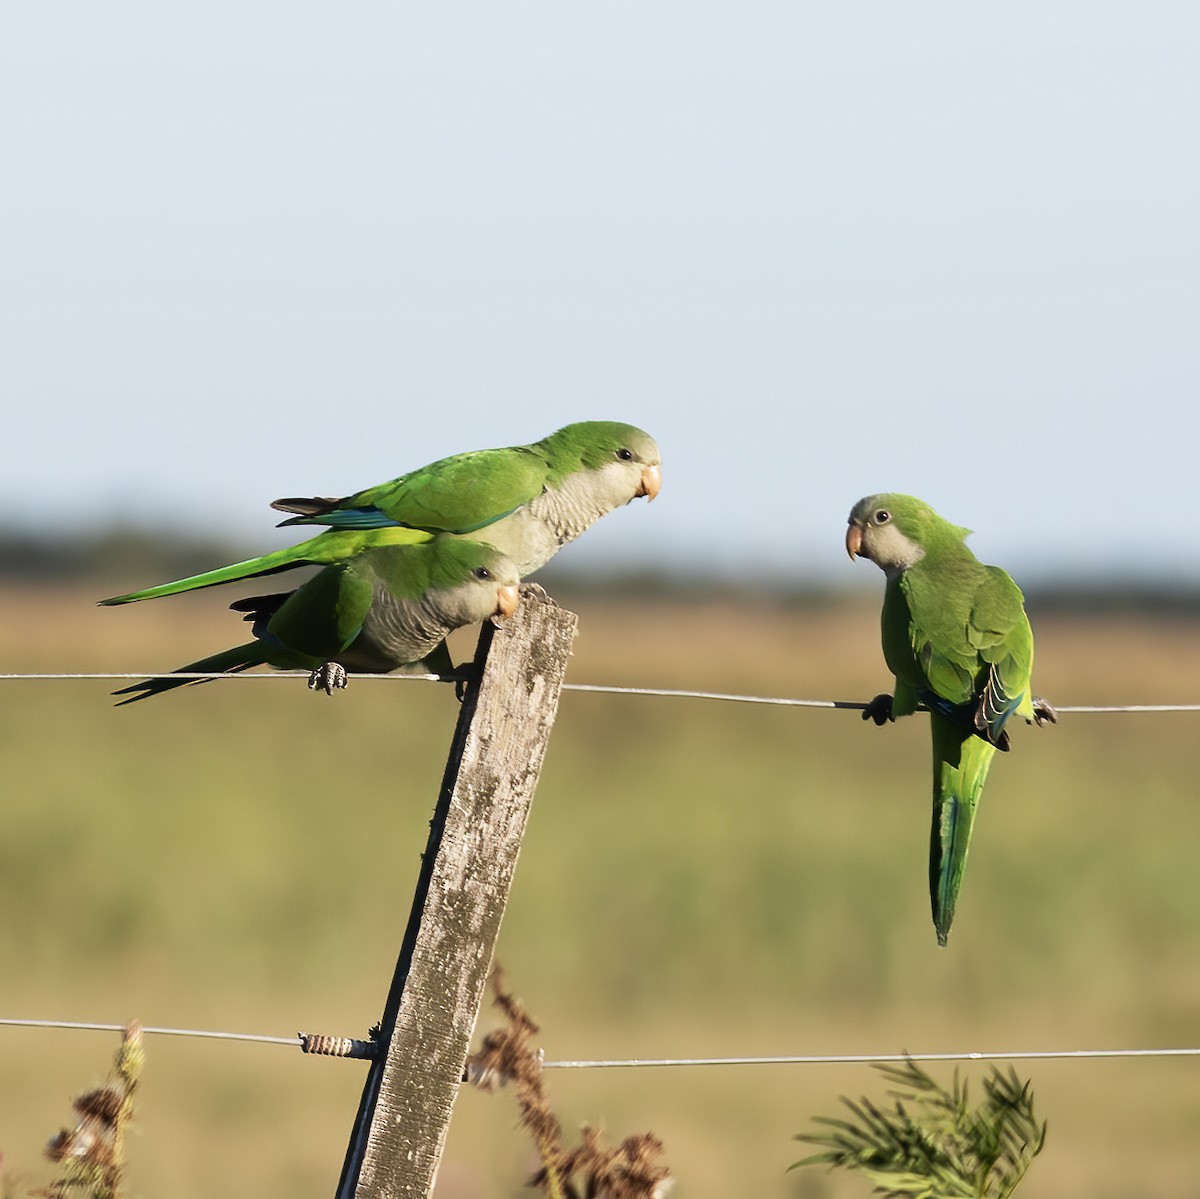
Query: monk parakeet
column 384, row 609
column 956, row 637
column 527, row 501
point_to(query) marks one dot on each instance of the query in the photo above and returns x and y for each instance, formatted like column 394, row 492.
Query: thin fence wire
column 595, row 688
column 297, row 1041
column 843, row 1059
column 813, row 1059
column 97, row 1026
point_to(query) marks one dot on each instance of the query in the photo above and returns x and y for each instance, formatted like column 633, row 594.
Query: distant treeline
column 125, row 554
column 65, row 557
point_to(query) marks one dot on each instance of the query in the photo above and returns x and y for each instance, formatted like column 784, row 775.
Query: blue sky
column 260, row 249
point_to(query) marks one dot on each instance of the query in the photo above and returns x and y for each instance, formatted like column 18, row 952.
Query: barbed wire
column 816, row 1059
column 595, row 688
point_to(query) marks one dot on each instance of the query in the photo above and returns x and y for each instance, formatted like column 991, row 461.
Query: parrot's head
column 622, row 461
column 472, row 581
column 894, row 531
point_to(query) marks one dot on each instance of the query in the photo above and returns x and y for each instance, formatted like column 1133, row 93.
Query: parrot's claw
column 465, row 675
column 1043, row 712
column 328, row 678
column 879, row 709
column 538, row 592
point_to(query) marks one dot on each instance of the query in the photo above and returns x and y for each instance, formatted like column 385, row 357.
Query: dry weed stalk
column 630, row 1170
column 91, row 1155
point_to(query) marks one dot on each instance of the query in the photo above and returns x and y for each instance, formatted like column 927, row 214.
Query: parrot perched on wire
column 957, row 639
column 385, row 609
column 528, row 501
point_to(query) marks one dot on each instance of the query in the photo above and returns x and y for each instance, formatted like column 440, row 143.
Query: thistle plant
column 591, row 1170
column 930, row 1144
column 91, row 1156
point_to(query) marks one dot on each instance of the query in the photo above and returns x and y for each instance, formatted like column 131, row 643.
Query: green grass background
column 698, row 879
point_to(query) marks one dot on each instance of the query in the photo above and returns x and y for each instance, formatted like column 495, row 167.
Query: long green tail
column 228, row 661
column 960, row 768
column 336, row 545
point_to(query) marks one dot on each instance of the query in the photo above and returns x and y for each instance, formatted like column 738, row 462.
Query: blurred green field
column 698, row 879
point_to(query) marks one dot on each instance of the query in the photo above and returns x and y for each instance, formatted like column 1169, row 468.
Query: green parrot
column 528, row 501
column 385, row 609
column 957, row 639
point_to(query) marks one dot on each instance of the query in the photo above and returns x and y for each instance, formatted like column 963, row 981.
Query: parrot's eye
column 482, row 572
column 625, row 455
column 882, row 516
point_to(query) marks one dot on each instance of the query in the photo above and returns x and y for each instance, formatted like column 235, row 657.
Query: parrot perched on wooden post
column 957, row 640
column 528, row 501
column 385, row 609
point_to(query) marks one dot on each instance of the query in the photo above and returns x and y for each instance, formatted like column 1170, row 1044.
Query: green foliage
column 930, row 1144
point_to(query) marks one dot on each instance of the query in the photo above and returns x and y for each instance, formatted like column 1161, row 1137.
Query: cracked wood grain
column 467, row 870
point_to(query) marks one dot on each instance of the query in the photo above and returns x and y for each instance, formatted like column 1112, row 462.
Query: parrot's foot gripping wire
column 879, row 709
column 329, row 678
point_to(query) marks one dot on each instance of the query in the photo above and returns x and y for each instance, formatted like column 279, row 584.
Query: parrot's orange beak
column 507, row 600
column 651, row 482
column 854, row 542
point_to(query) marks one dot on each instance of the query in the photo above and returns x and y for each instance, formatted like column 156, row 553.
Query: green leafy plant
column 930, row 1143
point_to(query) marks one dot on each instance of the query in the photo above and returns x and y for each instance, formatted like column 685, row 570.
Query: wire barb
column 327, row 1046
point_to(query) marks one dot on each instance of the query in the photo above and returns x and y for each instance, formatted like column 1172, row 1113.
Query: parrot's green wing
column 973, row 646
column 938, row 618
column 319, row 619
column 999, row 630
column 460, row 494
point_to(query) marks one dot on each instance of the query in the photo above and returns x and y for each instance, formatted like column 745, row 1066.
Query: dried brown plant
column 91, row 1155
column 630, row 1170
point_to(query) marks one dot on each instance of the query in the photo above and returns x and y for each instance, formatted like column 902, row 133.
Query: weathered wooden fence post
column 466, row 872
